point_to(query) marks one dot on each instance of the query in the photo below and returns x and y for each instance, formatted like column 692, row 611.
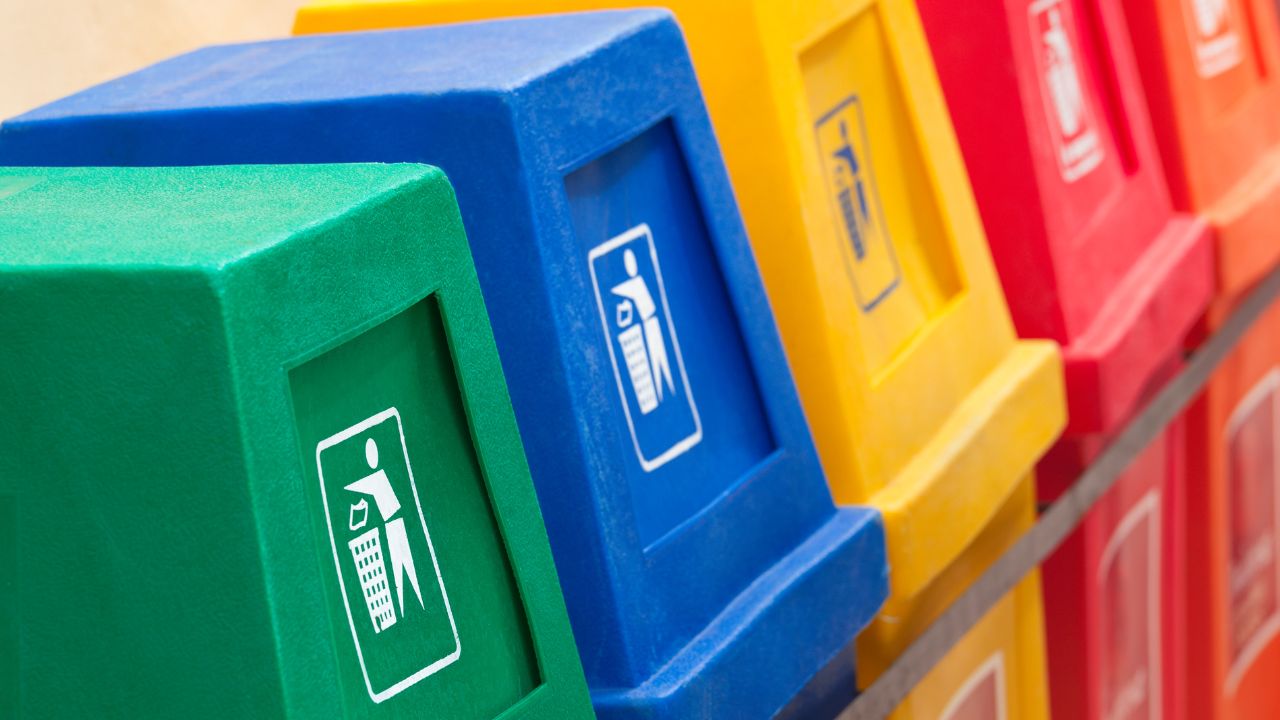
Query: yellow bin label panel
column 876, row 189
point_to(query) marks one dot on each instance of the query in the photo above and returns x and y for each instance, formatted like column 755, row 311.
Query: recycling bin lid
column 258, row 457
column 1067, row 174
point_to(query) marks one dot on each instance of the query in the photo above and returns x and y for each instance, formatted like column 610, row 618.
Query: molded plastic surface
column 1209, row 69
column 703, row 561
column 997, row 670
column 1233, row 540
column 921, row 400
column 256, row 454
column 1067, row 174
column 1114, row 597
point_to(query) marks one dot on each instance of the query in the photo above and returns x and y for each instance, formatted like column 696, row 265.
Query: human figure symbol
column 643, row 345
column 1062, row 77
column 856, row 216
column 366, row 548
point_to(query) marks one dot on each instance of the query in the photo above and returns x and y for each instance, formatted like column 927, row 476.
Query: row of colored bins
column 1126, row 163
column 921, row 400
column 341, row 364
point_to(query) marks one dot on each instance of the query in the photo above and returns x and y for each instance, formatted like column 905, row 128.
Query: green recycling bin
column 257, row 457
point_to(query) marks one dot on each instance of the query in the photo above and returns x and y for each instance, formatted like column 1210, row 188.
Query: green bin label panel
column 380, row 540
column 423, row 604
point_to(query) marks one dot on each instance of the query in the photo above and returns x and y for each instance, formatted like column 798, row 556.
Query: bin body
column 1092, row 253
column 1206, row 67
column 1115, row 602
column 1233, row 580
column 704, row 563
column 255, row 464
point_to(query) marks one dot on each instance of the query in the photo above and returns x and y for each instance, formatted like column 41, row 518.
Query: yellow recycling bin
column 920, row 397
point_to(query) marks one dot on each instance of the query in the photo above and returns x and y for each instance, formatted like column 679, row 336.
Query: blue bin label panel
column 855, row 203
column 669, row 371
column 636, row 317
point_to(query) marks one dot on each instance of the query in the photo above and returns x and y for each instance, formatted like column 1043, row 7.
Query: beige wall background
column 51, row 48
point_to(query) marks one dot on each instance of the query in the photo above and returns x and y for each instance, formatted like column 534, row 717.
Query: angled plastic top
column 257, row 458
column 1208, row 70
column 921, row 399
column 679, row 483
column 1067, row 175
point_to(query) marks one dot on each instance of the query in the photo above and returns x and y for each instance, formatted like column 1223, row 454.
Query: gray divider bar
column 1062, row 517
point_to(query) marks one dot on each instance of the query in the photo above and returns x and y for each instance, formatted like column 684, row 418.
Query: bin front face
column 1234, row 579
column 264, row 374
column 669, row 449
column 1209, row 71
column 1067, row 175
column 1114, row 605
column 997, row 670
column 834, row 129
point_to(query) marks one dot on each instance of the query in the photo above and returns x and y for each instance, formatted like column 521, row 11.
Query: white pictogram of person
column 645, row 351
column 1211, row 15
column 1063, row 77
column 400, row 556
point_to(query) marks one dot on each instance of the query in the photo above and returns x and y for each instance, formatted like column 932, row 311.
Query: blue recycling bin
column 705, row 567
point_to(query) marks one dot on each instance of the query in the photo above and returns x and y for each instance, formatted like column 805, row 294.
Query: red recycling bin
column 1049, row 107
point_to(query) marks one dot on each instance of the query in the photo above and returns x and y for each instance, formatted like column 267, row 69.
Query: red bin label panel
column 1072, row 110
column 1129, row 585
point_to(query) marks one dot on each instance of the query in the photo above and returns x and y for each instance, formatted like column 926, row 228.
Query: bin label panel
column 1213, row 28
column 1254, row 567
column 1129, row 586
column 878, row 232
column 392, row 587
column 982, row 696
column 648, row 368
column 855, row 203
column 659, row 353
column 410, row 554
column 1069, row 103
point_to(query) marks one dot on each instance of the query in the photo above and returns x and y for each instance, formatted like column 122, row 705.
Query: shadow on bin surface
column 1092, row 254
column 705, row 566
column 258, row 456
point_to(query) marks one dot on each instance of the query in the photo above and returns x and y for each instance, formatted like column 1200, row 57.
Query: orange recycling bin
column 1233, row 539
column 1209, row 68
column 921, row 399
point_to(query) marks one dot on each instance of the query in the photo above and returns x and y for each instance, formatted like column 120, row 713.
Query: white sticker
column 1129, row 586
column 1073, row 123
column 401, row 621
column 1253, row 544
column 1215, row 39
column 982, row 696
column 643, row 347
